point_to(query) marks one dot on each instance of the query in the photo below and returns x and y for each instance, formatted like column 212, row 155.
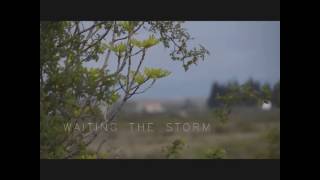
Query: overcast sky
column 239, row 50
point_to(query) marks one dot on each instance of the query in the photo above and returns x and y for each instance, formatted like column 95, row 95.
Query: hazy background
column 239, row 50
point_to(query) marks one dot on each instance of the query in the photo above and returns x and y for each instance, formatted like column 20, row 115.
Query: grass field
column 250, row 133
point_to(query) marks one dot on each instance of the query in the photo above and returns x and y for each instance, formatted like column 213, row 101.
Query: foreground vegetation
column 250, row 134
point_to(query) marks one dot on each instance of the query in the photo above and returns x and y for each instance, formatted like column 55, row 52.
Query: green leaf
column 115, row 97
column 94, row 72
column 151, row 41
column 136, row 43
column 119, row 48
column 156, row 73
column 102, row 48
column 127, row 25
column 139, row 78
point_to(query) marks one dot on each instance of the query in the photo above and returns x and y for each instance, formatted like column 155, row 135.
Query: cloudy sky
column 239, row 50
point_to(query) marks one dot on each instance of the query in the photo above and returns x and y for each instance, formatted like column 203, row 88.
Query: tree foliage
column 250, row 93
column 70, row 91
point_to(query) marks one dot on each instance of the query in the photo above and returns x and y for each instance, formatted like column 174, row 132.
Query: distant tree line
column 243, row 95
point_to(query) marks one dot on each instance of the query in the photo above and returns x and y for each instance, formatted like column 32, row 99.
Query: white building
column 266, row 105
column 150, row 107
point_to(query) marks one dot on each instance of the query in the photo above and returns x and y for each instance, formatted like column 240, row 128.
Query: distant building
column 266, row 105
column 151, row 107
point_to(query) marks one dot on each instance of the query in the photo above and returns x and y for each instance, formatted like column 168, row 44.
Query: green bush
column 173, row 151
column 215, row 153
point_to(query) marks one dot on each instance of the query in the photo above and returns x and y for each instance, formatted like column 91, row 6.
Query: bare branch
column 134, row 31
column 105, row 64
column 143, row 91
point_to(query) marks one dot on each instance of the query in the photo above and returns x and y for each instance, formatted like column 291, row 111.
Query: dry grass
column 245, row 136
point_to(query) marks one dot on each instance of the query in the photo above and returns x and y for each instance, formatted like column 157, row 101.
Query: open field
column 250, row 133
